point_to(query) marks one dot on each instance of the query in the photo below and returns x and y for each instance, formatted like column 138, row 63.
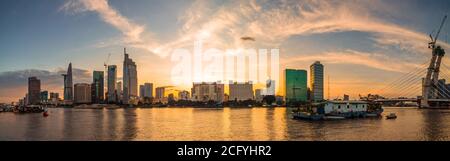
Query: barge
column 338, row 110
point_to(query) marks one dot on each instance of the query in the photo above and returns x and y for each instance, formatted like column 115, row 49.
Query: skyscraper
column 34, row 91
column 316, row 80
column 82, row 93
column 68, row 85
column 112, row 80
column 160, row 93
column 296, row 86
column 148, row 90
column 119, row 91
column 129, row 79
column 98, row 87
column 141, row 91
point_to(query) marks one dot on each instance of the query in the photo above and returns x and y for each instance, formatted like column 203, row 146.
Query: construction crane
column 106, row 62
column 432, row 44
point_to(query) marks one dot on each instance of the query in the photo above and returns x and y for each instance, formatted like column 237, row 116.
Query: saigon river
column 174, row 124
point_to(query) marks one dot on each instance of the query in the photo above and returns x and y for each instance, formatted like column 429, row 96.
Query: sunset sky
column 363, row 44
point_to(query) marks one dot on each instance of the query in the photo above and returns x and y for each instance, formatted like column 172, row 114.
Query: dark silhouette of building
column 34, row 91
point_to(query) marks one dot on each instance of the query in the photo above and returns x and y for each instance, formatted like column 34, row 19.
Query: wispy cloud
column 132, row 31
column 372, row 60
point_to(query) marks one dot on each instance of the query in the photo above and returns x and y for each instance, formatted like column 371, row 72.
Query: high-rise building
column 112, row 80
column 316, row 80
column 34, row 91
column 44, row 97
column 208, row 92
column 148, row 90
column 98, row 88
column 119, row 91
column 141, row 91
column 68, row 85
column 296, row 86
column 82, row 93
column 240, row 91
column 130, row 85
column 160, row 92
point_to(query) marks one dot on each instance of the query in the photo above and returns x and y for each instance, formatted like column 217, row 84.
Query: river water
column 174, row 124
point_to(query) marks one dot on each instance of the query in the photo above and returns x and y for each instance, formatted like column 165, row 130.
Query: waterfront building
column 183, row 95
column 112, row 80
column 148, row 90
column 208, row 92
column 141, row 91
column 240, row 91
column 270, row 88
column 130, row 80
column 98, row 87
column 295, row 86
column 160, row 92
column 54, row 98
column 316, row 81
column 258, row 95
column 68, row 85
column 34, row 91
column 44, row 97
column 119, row 91
column 82, row 93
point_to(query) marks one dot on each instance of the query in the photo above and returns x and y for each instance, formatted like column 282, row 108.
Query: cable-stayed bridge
column 428, row 80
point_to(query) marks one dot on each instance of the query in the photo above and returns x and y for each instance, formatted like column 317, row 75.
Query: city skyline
column 376, row 45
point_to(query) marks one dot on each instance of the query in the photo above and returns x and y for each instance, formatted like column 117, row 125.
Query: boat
column 307, row 116
column 45, row 114
column 333, row 118
column 391, row 116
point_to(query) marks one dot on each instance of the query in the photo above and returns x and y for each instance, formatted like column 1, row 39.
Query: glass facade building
column 296, row 85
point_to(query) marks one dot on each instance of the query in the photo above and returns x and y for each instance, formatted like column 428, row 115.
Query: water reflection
column 218, row 124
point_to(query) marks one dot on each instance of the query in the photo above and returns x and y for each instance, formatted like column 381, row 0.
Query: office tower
column 148, row 90
column 68, row 85
column 129, row 79
column 82, row 93
column 119, row 91
column 34, row 91
column 208, row 92
column 160, row 91
column 240, row 91
column 295, row 86
column 141, row 91
column 112, row 79
column 98, row 87
column 44, row 97
column 183, row 95
column 316, row 80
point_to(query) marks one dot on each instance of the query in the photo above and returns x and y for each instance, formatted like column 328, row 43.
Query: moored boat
column 391, row 116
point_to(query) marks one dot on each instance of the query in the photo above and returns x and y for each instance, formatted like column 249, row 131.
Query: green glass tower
column 98, row 87
column 296, row 86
